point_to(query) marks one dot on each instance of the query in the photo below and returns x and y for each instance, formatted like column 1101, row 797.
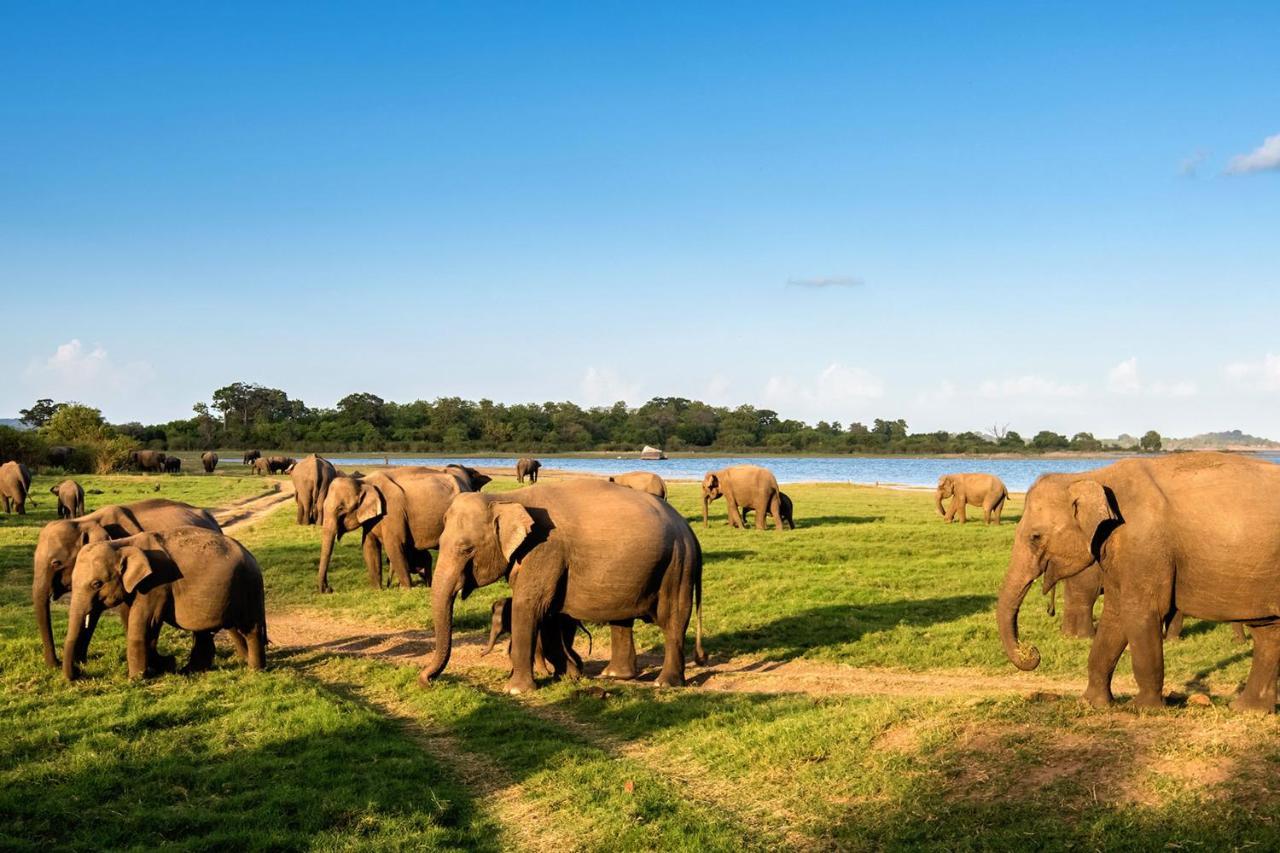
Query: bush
column 99, row 447
column 25, row 446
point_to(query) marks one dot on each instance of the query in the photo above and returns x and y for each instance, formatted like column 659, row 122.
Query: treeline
column 245, row 415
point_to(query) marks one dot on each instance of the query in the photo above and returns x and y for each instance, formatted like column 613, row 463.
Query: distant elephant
column 191, row 578
column 788, row 511
column 60, row 542
column 747, row 486
column 148, row 460
column 642, row 481
column 260, row 466
column 399, row 509
column 984, row 490
column 172, row 464
column 70, row 497
column 209, row 460
column 556, row 635
column 527, row 468
column 559, row 548
column 1143, row 521
column 59, row 455
column 15, row 485
column 311, row 478
column 250, row 456
column 280, row 464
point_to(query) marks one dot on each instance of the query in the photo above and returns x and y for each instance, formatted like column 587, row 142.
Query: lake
column 1018, row 473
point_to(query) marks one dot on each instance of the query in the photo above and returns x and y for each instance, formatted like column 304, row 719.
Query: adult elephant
column 172, row 464
column 70, row 496
column 474, row 480
column 209, row 460
column 148, row 460
column 785, row 504
column 527, row 468
column 585, row 550
column 250, row 456
column 15, row 485
column 280, row 464
column 59, row 455
column 400, row 510
column 748, row 486
column 981, row 490
column 1143, row 522
column 642, row 481
column 311, row 478
column 60, row 542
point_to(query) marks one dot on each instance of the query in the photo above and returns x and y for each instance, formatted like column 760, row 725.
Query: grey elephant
column 250, row 456
column 59, row 455
column 555, row 635
column 192, row 578
column 527, row 468
column 559, row 547
column 280, row 464
column 60, row 542
column 748, row 486
column 981, row 490
column 209, row 460
column 642, row 481
column 785, row 505
column 311, row 478
column 70, row 495
column 15, row 485
column 148, row 460
column 172, row 464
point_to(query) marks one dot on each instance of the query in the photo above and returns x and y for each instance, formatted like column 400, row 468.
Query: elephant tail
column 699, row 656
column 590, row 640
column 1052, row 592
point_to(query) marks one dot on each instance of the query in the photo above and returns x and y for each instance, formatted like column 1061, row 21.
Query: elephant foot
column 52, row 661
column 1247, row 704
column 1078, row 630
column 517, row 686
column 665, row 680
column 618, row 672
column 1147, row 701
column 1098, row 697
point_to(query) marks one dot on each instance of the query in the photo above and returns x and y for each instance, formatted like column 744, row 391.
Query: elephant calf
column 527, row 468
column 557, row 634
column 984, row 490
column 172, row 464
column 70, row 497
column 785, row 507
column 189, row 577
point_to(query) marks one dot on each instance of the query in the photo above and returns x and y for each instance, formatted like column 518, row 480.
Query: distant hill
column 13, row 423
column 1230, row 440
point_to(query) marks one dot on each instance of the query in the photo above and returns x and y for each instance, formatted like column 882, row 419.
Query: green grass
column 326, row 751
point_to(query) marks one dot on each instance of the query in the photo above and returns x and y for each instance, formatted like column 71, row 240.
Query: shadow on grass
column 836, row 520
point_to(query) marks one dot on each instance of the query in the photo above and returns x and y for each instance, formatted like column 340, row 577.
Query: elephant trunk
column 41, row 591
column 937, row 497
column 448, row 583
column 83, row 620
column 494, row 633
column 1022, row 572
column 706, row 516
column 326, row 552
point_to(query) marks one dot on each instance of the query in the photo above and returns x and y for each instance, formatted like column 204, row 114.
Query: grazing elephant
column 15, row 484
column 280, row 464
column 1143, row 522
column 527, row 468
column 250, row 456
column 191, row 578
column 555, row 634
column 209, row 460
column 172, row 464
column 311, row 478
column 582, row 549
column 748, row 486
column 787, row 508
column 60, row 542
column 260, row 466
column 148, row 460
column 984, row 490
column 399, row 509
column 70, row 497
column 59, row 455
column 642, row 481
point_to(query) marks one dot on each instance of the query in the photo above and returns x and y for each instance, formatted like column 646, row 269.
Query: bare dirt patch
column 242, row 513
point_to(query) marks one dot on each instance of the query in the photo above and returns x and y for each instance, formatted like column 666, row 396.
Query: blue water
column 1018, row 473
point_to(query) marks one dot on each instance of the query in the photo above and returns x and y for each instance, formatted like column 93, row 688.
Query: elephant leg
column 141, row 640
column 775, row 507
column 1078, row 597
column 1173, row 628
column 526, row 616
column 399, row 565
column 238, row 642
column 1259, row 693
column 673, row 616
column 548, row 657
column 1104, row 654
column 622, row 651
column 1143, row 629
column 735, row 517
column 1237, row 629
column 257, row 641
column 202, row 651
column 372, row 548
column 567, row 634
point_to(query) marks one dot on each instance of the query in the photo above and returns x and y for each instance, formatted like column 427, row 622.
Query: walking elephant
column 194, row 579
column 400, row 510
column 1143, row 522
column 15, row 485
column 784, row 504
column 527, row 468
column 60, row 542
column 209, row 460
column 642, row 481
column 555, row 635
column 311, row 478
column 748, row 486
column 981, row 490
column 250, row 456
column 582, row 549
column 70, row 497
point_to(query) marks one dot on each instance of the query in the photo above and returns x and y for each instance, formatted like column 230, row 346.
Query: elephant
column 280, row 464
column 148, row 460
column 172, row 464
column 192, row 578
column 311, row 478
column 1143, row 523
column 583, row 549
column 555, row 634
column 70, row 497
column 59, row 455
column 60, row 542
column 260, row 466
column 787, row 508
column 642, row 481
column 250, row 456
column 527, row 468
column 209, row 460
column 15, row 485
column 984, row 490
column 748, row 486
column 400, row 510
column 474, row 479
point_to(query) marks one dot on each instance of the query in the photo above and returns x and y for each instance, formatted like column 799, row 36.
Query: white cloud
column 74, row 372
column 1190, row 166
column 826, row 282
column 602, row 386
column 1029, row 386
column 1264, row 158
column 943, row 393
column 1123, row 378
column 823, row 395
column 1256, row 375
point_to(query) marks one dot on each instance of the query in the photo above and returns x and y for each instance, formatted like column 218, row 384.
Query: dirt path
column 246, row 511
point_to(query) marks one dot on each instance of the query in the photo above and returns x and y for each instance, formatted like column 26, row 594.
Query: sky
column 1049, row 216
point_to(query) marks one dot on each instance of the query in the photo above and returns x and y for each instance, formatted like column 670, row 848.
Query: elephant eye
column 96, row 584
column 1036, row 538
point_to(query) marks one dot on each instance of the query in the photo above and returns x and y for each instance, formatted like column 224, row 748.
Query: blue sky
column 1059, row 216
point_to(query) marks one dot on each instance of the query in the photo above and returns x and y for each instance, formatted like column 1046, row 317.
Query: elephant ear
column 93, row 533
column 134, row 567
column 1091, row 506
column 371, row 504
column 710, row 482
column 514, row 525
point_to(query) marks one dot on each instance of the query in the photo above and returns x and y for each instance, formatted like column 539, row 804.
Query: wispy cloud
column 830, row 392
column 1029, row 386
column 1124, row 378
column 1261, row 375
column 1190, row 166
column 1264, row 158
column 826, row 282
column 76, row 372
column 603, row 386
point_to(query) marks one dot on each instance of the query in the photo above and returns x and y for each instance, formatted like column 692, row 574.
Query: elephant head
column 104, row 577
column 479, row 541
column 1058, row 536
column 710, row 492
column 946, row 488
column 349, row 504
column 57, row 548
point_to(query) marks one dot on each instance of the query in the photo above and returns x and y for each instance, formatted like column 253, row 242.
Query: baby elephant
column 172, row 464
column 557, row 634
column 784, row 506
column 981, row 490
column 70, row 499
column 189, row 577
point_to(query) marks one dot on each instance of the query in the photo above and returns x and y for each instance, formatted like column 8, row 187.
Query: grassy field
column 948, row 746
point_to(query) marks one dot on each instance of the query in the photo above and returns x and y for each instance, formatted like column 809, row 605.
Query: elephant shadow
column 803, row 521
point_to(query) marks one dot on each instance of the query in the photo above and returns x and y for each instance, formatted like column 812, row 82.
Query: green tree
column 39, row 413
column 1085, row 441
column 84, row 427
column 1150, row 441
column 1047, row 440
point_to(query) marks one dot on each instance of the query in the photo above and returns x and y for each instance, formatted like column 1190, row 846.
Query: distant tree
column 369, row 408
column 1012, row 441
column 1085, row 441
column 84, row 427
column 1047, row 440
column 39, row 413
column 1150, row 441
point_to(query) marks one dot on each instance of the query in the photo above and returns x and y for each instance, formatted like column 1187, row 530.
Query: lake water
column 1018, row 473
